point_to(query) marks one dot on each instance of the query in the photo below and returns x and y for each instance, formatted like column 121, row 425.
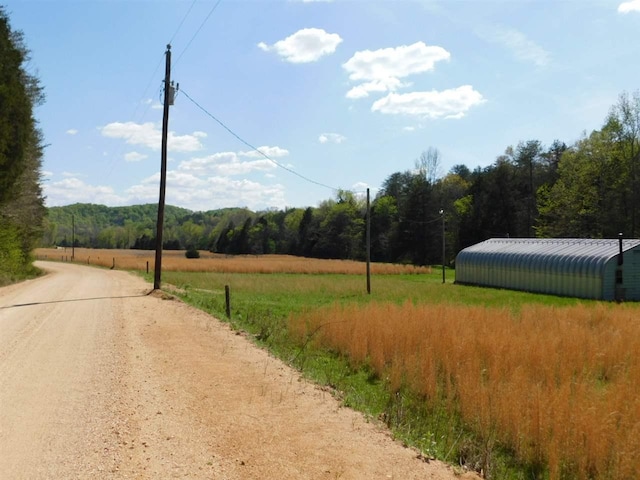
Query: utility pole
column 443, row 246
column 168, row 100
column 73, row 237
column 368, row 244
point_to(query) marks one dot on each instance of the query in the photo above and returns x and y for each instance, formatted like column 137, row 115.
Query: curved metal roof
column 564, row 266
column 589, row 253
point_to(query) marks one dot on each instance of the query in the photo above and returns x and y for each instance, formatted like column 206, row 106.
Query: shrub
column 192, row 252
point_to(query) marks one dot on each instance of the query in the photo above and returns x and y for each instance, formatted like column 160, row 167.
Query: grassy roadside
column 15, row 273
column 263, row 304
column 8, row 278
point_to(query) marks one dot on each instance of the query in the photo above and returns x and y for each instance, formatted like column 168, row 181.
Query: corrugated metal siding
column 632, row 278
column 609, row 285
column 571, row 267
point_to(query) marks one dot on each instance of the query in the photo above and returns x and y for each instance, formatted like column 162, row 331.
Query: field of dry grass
column 173, row 260
column 557, row 385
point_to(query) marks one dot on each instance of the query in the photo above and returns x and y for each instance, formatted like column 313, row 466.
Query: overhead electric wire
column 197, row 32
column 182, row 22
column 153, row 76
column 112, row 163
column 242, row 140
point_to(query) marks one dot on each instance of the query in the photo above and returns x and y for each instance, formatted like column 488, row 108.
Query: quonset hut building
column 584, row 268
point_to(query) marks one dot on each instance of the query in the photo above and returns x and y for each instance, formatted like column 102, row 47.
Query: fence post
column 227, row 300
column 147, row 266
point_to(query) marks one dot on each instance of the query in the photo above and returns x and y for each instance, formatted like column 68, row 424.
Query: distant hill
column 99, row 226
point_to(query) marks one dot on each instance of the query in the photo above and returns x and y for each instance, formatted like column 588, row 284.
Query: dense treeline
column 98, row 226
column 21, row 202
column 589, row 189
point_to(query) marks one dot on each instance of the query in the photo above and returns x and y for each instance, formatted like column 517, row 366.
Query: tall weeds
column 174, row 260
column 557, row 385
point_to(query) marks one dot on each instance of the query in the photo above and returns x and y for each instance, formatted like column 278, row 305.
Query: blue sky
column 343, row 93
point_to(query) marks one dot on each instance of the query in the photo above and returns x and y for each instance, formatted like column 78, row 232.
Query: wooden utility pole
column 168, row 94
column 73, row 237
column 443, row 246
column 368, row 244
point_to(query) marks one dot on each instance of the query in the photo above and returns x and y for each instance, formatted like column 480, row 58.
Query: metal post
column 163, row 171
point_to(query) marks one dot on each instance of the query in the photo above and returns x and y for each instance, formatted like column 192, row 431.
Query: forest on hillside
column 590, row 189
column 21, row 202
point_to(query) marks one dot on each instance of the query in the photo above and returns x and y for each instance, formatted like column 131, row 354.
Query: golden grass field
column 560, row 385
column 175, row 260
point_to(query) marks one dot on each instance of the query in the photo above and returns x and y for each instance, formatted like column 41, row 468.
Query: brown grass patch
column 173, row 260
column 559, row 385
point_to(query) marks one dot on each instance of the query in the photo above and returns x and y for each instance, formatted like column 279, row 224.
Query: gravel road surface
column 100, row 380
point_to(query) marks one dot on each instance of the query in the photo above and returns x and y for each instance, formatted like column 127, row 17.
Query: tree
column 384, row 228
column 21, row 201
column 624, row 123
column 307, row 238
column 588, row 200
column 428, row 165
column 224, row 240
column 341, row 229
column 19, row 93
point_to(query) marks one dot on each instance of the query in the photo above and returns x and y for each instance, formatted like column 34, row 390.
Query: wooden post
column 114, row 263
column 227, row 300
column 147, row 266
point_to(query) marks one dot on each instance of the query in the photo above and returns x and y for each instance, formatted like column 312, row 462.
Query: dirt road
column 100, row 380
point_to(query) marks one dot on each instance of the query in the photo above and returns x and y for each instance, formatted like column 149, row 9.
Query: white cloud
column 231, row 163
column 451, row 103
column 360, row 187
column 226, row 163
column 208, row 193
column 382, row 70
column 73, row 174
column 304, row 46
column 74, row 190
column 134, row 156
column 331, row 138
column 632, row 6
column 46, row 174
column 273, row 152
column 522, row 48
column 148, row 135
column 154, row 104
column 72, row 131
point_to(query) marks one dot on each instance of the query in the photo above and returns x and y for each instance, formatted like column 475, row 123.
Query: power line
column 307, row 179
column 115, row 159
column 182, row 22
column 112, row 163
column 197, row 32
